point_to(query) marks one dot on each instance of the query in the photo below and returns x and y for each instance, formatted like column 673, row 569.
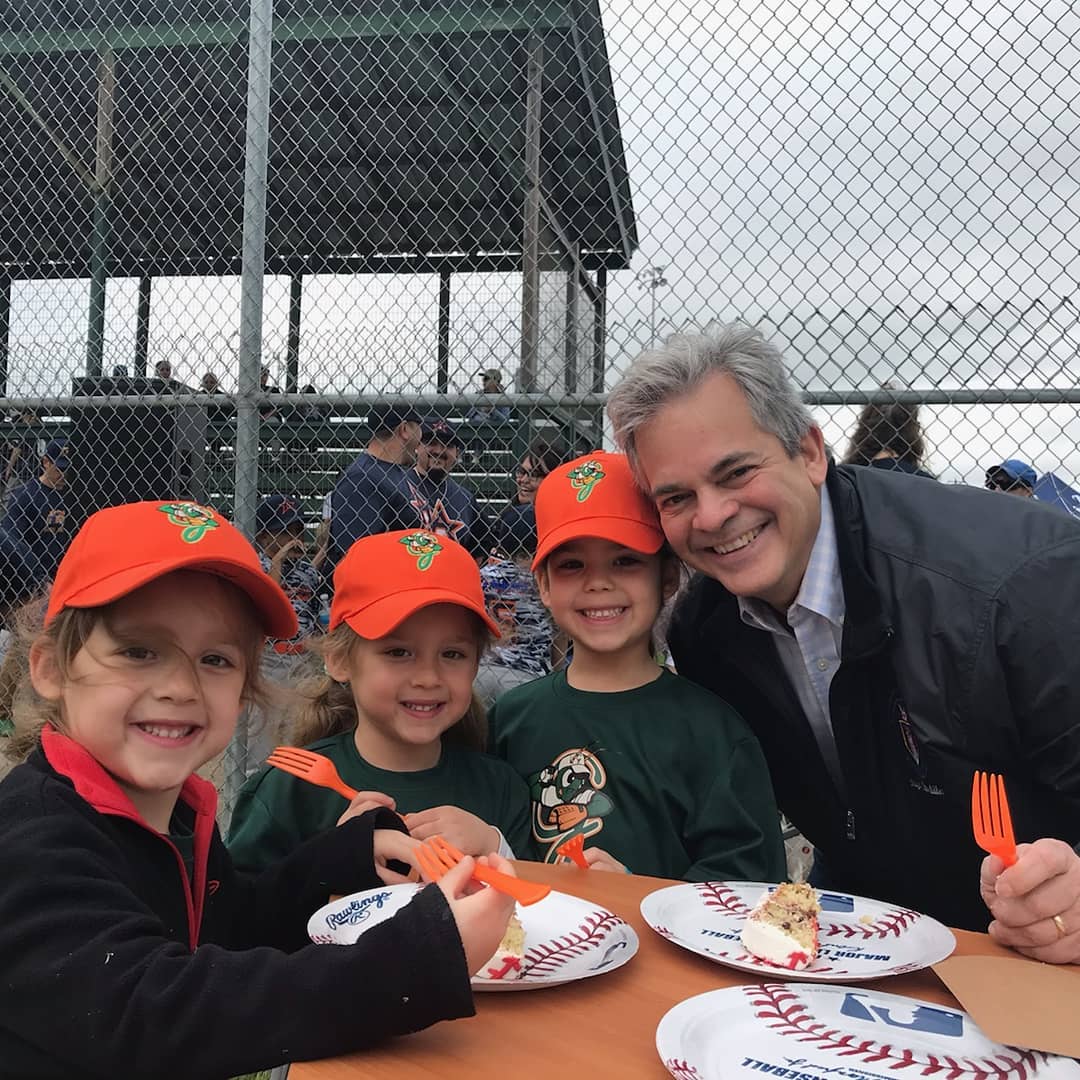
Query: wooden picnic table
column 603, row 1026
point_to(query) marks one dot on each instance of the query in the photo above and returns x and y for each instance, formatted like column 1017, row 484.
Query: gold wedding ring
column 1059, row 922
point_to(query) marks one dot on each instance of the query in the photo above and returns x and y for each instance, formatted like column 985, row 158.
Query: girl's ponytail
column 326, row 707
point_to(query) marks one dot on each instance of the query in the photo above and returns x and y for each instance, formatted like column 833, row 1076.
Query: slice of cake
column 783, row 928
column 506, row 963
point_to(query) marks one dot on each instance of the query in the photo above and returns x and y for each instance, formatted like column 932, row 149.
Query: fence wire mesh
column 482, row 211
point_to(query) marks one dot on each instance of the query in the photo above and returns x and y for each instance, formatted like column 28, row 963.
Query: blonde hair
column 328, row 708
column 64, row 637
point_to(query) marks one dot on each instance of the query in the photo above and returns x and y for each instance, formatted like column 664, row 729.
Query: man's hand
column 365, row 801
column 1025, row 898
column 465, row 831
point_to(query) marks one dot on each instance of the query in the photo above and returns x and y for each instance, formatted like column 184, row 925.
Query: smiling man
column 884, row 635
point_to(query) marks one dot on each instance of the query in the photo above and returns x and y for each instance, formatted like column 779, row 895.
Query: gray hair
column 684, row 361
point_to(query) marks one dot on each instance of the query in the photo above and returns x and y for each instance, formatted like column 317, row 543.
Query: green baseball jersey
column 275, row 811
column 667, row 777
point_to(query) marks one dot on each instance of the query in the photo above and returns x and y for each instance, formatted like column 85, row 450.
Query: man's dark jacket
column 960, row 651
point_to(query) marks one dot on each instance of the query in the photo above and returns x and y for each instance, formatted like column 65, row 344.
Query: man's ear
column 44, row 671
column 812, row 449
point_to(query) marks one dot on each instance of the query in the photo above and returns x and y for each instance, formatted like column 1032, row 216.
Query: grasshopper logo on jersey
column 195, row 521
column 423, row 547
column 584, row 478
column 568, row 799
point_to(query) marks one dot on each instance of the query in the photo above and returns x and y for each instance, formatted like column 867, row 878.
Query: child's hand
column 390, row 845
column 294, row 549
column 464, row 830
column 599, row 859
column 481, row 913
column 365, row 801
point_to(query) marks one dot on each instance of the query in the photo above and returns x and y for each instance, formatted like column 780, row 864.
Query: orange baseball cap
column 124, row 547
column 385, row 578
column 594, row 495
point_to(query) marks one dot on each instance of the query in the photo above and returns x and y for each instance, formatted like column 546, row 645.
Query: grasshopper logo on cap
column 584, row 478
column 195, row 521
column 423, row 547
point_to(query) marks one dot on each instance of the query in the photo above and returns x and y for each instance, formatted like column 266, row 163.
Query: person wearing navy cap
column 446, row 507
column 1014, row 477
column 373, row 496
column 39, row 513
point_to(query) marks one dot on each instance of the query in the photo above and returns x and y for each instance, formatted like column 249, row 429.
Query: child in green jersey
column 395, row 712
column 656, row 774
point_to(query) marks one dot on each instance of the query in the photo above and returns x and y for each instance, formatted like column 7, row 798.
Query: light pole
column 652, row 278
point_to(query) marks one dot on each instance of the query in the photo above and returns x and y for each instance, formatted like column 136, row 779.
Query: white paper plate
column 858, row 939
column 803, row 1031
column 566, row 939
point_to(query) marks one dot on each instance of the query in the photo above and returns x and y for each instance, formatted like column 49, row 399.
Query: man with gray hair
column 885, row 637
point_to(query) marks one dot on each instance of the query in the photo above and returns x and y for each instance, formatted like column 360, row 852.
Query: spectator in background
column 163, row 370
column 1014, row 477
column 267, row 410
column 279, row 541
column 374, row 494
column 527, row 635
column 22, row 461
column 210, row 383
column 19, row 581
column 39, row 514
column 446, row 508
column 889, row 436
column 490, row 383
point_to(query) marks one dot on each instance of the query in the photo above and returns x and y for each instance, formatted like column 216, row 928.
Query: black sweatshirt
column 114, row 964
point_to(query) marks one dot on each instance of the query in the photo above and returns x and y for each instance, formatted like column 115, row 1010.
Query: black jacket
column 114, row 964
column 960, row 651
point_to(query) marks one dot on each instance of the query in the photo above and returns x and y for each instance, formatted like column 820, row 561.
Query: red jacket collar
column 101, row 791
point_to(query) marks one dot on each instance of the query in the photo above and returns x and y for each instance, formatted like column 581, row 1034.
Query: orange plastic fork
column 574, row 850
column 990, row 817
column 314, row 768
column 437, row 855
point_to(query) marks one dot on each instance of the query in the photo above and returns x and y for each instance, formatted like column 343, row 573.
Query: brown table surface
column 603, row 1026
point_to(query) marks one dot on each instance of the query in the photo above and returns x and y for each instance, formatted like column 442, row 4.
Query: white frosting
column 773, row 945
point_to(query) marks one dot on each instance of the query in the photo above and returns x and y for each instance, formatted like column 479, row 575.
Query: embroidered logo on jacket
column 195, row 521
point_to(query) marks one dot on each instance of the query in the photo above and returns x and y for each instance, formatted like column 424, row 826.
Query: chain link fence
column 235, row 235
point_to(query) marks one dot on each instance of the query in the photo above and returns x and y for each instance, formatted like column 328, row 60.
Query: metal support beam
column 442, row 381
column 99, row 253
column 253, row 254
column 5, row 332
column 530, row 244
column 570, row 336
column 599, row 331
column 142, row 326
column 292, row 342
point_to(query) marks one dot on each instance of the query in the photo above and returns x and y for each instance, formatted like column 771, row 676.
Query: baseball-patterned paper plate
column 566, row 939
column 858, row 939
column 803, row 1031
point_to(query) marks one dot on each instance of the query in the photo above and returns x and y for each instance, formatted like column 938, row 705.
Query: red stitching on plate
column 721, row 897
column 682, row 1070
column 542, row 959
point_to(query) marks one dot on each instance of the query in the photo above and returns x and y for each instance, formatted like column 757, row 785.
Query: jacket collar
column 101, row 791
column 867, row 622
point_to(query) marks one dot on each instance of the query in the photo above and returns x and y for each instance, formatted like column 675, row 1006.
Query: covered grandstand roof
column 397, row 135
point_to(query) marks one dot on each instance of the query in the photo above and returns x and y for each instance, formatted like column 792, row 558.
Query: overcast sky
column 890, row 188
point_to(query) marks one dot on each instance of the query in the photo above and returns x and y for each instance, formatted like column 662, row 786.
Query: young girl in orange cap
column 654, row 774
column 395, row 712
column 129, row 943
